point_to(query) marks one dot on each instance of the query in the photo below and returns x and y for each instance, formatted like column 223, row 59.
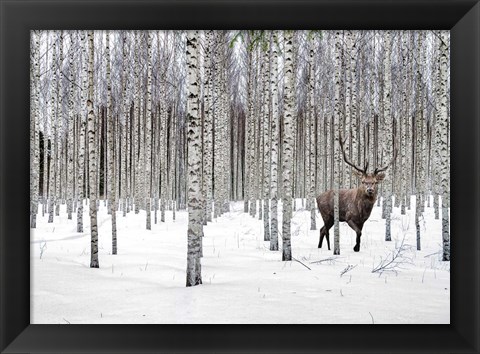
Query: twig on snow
column 373, row 321
column 432, row 254
column 301, row 263
column 329, row 259
column 347, row 269
column 43, row 247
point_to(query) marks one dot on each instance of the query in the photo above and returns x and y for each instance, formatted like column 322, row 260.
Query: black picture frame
column 18, row 17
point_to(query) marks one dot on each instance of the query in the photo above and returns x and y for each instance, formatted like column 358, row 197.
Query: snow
column 243, row 281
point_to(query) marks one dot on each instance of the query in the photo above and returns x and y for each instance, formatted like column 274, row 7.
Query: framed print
column 187, row 160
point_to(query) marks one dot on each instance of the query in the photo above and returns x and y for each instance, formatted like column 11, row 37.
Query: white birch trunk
column 442, row 124
column 53, row 131
column 208, row 128
column 45, row 140
column 126, row 131
column 403, row 124
column 110, row 182
column 34, row 121
column 418, row 139
column 92, row 161
column 337, row 176
column 217, row 132
column 195, row 224
column 353, row 102
column 266, row 148
column 163, row 148
column 70, row 145
column 274, row 145
column 311, row 113
column 81, row 140
column 136, row 121
column 388, row 184
column 348, row 102
column 148, row 136
column 58, row 125
column 250, row 143
column 287, row 146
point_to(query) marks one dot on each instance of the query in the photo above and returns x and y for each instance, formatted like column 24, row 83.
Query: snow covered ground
column 243, row 282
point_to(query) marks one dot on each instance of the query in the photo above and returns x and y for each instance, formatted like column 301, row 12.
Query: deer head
column 369, row 181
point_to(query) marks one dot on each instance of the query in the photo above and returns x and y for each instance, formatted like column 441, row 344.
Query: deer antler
column 395, row 151
column 346, row 159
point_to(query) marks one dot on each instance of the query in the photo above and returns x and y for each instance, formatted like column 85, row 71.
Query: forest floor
column 243, row 281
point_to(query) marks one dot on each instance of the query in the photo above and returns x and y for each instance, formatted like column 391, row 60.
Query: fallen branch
column 432, row 254
column 329, row 259
column 347, row 269
column 43, row 247
column 301, row 263
column 373, row 321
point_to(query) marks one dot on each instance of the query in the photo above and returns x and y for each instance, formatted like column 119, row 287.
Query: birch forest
column 189, row 128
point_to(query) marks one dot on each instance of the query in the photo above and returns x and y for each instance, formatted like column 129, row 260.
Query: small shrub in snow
column 396, row 260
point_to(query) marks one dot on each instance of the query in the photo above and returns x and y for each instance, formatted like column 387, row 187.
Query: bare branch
column 301, row 263
column 396, row 260
column 347, row 269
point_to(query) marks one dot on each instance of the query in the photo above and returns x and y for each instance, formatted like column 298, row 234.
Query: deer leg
column 328, row 240
column 324, row 232
column 358, row 231
column 322, row 235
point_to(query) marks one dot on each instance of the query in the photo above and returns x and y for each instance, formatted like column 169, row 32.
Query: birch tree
column 388, row 185
column 442, row 132
column 53, row 150
column 70, row 123
column 195, row 222
column 111, row 150
column 148, row 137
column 58, row 125
column 311, row 147
column 402, row 122
column 136, row 123
column 287, row 146
column 126, row 130
column 92, row 154
column 163, row 149
column 81, row 140
column 250, row 142
column 274, row 144
column 208, row 127
column 336, row 168
column 266, row 147
column 34, row 127
column 418, row 139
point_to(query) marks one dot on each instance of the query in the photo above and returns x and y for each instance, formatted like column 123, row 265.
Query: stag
column 355, row 205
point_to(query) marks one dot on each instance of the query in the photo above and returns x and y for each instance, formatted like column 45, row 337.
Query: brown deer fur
column 355, row 206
